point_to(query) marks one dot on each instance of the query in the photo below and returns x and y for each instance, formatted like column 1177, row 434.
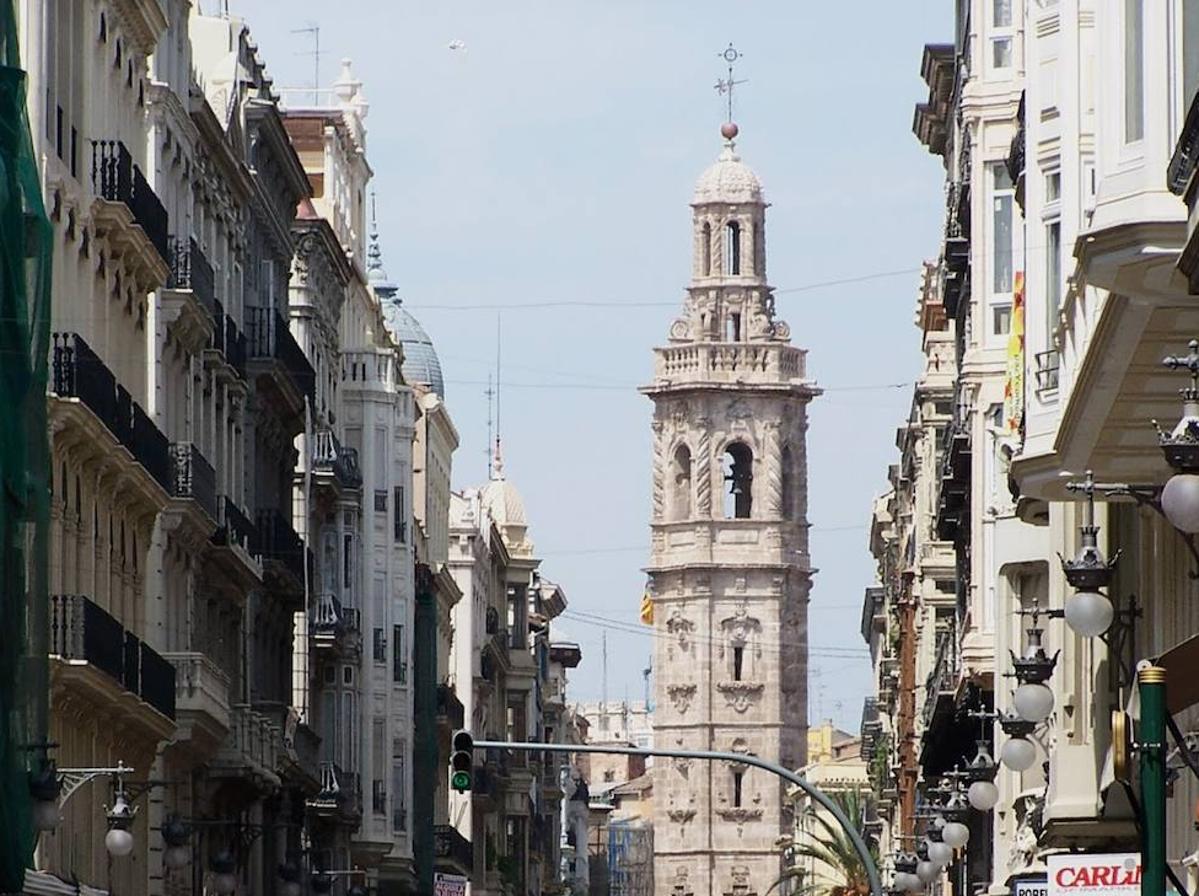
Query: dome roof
column 728, row 180
column 421, row 364
column 503, row 503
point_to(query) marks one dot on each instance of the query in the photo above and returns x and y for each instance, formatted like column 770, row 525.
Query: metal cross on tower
column 725, row 86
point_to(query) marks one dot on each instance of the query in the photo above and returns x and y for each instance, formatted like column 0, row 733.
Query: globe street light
column 982, row 794
column 1180, row 497
column 119, row 840
column 175, row 835
column 1088, row 612
column 224, row 876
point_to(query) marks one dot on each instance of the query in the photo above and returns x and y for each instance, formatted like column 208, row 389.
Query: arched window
column 680, row 484
column 738, row 775
column 757, row 262
column 732, row 247
column 788, row 487
column 732, row 327
column 738, row 473
column 706, row 249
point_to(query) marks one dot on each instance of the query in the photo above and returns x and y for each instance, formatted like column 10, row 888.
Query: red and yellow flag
column 647, row 608
column 1013, row 386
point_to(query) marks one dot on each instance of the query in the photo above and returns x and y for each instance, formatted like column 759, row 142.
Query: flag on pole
column 647, row 608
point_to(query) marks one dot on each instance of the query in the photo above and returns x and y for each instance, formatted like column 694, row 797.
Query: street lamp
column 175, row 835
column 1180, row 497
column 1033, row 700
column 119, row 839
column 224, row 876
column 905, row 873
column 982, row 794
column 1088, row 612
column 1017, row 752
column 955, row 833
column 289, row 874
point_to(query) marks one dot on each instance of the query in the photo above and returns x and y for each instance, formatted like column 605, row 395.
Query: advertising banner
column 1096, row 874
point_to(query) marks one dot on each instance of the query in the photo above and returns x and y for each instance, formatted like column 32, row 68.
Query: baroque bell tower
column 729, row 569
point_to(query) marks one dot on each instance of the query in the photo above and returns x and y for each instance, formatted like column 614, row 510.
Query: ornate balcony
column 109, row 667
column 191, row 271
column 332, row 622
column 333, row 463
column 767, row 362
column 369, row 370
column 194, row 478
column 128, row 213
column 250, row 753
column 453, row 853
column 340, row 795
column 281, row 549
column 201, row 700
column 228, row 342
column 236, row 538
column 450, row 712
column 78, row 373
column 279, row 357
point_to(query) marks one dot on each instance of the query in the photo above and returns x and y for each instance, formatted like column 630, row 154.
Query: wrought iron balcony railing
column 449, row 706
column 117, row 179
column 269, row 337
column 191, row 270
column 329, row 454
column 278, row 541
column 236, row 528
column 229, row 340
column 78, row 372
column 82, row 630
column 194, row 477
column 451, row 846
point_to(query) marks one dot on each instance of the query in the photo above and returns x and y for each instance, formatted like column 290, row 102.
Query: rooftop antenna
column 496, row 468
column 490, row 393
column 604, row 691
column 315, row 30
column 645, row 673
column 726, row 86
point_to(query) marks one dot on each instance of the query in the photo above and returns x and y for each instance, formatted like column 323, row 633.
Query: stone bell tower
column 729, row 570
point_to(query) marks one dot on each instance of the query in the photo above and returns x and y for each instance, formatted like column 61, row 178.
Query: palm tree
column 844, row 873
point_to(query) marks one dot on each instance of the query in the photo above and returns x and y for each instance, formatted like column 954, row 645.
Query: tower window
column 737, row 777
column 732, row 246
column 757, row 261
column 738, row 473
column 706, row 250
column 680, row 496
column 738, row 662
column 732, row 327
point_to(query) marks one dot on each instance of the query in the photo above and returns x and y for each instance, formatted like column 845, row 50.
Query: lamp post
column 1151, row 681
column 51, row 788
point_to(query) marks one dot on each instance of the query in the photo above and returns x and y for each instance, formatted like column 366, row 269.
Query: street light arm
column 859, row 845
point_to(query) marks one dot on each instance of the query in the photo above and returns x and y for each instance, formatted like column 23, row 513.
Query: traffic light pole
column 851, row 830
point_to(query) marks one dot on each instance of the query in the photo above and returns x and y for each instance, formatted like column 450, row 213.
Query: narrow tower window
column 680, row 499
column 732, row 327
column 737, row 776
column 756, row 263
column 738, row 473
column 738, row 662
column 732, row 246
column 706, row 249
column 788, row 485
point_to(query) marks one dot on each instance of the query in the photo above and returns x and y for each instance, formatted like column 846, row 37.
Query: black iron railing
column 78, row 372
column 117, row 179
column 278, row 541
column 82, row 630
column 451, row 846
column 329, row 454
column 191, row 270
column 236, row 527
column 194, row 477
column 269, row 337
column 449, row 706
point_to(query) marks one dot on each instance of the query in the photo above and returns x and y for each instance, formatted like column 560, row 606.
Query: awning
column 1181, row 663
column 43, row 883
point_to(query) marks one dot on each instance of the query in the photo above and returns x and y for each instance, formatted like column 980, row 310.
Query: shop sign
column 1095, row 874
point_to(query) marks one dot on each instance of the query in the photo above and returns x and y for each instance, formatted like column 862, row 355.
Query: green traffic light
column 460, row 781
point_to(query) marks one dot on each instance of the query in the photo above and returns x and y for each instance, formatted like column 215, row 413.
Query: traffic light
column 462, row 761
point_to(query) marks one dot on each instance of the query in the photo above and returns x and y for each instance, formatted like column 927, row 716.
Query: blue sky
column 551, row 159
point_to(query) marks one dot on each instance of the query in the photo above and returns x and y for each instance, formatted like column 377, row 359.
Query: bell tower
column 729, row 569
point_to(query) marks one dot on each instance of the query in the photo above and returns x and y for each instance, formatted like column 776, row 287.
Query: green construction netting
column 25, row 247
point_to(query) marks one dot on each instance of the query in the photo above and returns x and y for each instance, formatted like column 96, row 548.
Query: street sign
column 1095, row 874
column 1030, row 885
column 449, row 884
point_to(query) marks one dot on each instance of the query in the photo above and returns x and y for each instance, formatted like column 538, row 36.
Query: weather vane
column 725, row 86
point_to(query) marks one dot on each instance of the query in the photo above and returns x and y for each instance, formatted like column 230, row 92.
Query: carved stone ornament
column 680, row 627
column 681, row 816
column 739, row 881
column 740, row 695
column 680, row 329
column 681, row 696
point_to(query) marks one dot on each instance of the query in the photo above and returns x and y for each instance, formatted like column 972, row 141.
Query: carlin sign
column 1097, row 874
